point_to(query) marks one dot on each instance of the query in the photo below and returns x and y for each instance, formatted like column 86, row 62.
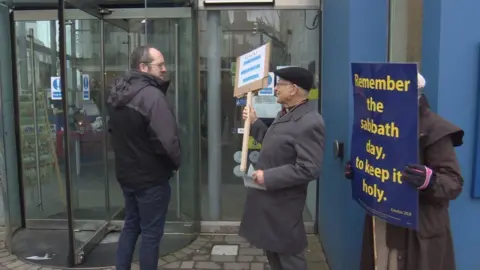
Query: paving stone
column 24, row 266
column 261, row 259
column 201, row 257
column 244, row 244
column 206, row 237
column 318, row 266
column 187, row 265
column 196, row 246
column 169, row 258
column 179, row 255
column 225, row 250
column 218, row 238
column 223, row 258
column 207, row 265
column 188, row 251
column 8, row 259
column 234, row 239
column 172, row 265
column 203, row 251
column 236, row 266
column 197, row 256
column 314, row 256
column 258, row 266
column 251, row 251
column 245, row 258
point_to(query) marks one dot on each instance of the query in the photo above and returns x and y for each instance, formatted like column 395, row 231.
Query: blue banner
column 385, row 140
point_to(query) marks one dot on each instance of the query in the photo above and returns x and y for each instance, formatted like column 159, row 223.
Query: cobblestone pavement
column 201, row 255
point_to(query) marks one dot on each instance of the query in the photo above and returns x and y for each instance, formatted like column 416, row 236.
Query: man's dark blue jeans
column 145, row 214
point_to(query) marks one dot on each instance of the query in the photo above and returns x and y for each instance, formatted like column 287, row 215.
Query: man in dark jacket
column 147, row 153
column 291, row 157
column 439, row 180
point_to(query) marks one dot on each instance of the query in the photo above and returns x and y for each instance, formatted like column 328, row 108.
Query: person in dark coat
column 146, row 143
column 291, row 157
column 439, row 180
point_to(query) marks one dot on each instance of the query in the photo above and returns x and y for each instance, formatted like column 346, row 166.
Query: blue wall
column 451, row 40
column 354, row 30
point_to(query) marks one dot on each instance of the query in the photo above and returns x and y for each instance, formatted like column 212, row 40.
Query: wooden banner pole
column 375, row 257
column 246, row 135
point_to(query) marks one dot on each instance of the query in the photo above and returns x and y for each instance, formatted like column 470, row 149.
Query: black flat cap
column 296, row 75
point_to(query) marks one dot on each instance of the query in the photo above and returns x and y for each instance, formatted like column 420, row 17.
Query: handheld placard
column 251, row 75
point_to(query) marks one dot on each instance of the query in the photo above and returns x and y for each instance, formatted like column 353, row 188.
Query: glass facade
column 59, row 164
column 294, row 37
column 99, row 58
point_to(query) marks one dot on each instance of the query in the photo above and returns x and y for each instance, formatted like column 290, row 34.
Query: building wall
column 352, row 31
column 450, row 53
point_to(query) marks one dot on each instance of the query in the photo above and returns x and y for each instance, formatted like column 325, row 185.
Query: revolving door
column 64, row 62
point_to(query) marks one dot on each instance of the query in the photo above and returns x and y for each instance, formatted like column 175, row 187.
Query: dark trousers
column 145, row 214
column 278, row 261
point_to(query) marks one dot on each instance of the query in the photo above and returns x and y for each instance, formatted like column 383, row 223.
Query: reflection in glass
column 173, row 37
column 294, row 37
column 43, row 175
column 116, row 63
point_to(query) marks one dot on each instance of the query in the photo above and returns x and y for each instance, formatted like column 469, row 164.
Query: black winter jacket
column 143, row 130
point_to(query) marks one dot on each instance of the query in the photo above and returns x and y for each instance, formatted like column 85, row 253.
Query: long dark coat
column 431, row 248
column 291, row 157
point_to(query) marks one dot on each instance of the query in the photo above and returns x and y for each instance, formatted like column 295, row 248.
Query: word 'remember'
column 387, row 84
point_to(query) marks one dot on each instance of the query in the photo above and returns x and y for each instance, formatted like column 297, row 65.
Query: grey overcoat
column 291, row 157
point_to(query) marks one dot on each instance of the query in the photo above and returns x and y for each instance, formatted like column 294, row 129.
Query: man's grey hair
column 304, row 91
column 141, row 55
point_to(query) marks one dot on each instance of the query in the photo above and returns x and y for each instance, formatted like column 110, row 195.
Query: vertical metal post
column 53, row 48
column 319, row 87
column 214, row 114
column 22, row 51
column 389, row 35
column 77, row 94
column 35, row 119
column 177, row 175
column 17, row 140
column 103, row 111
column 66, row 128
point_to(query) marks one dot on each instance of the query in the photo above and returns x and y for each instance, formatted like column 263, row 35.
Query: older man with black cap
column 291, row 157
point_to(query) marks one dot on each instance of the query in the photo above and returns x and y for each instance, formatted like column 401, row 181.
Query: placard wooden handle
column 375, row 256
column 246, row 135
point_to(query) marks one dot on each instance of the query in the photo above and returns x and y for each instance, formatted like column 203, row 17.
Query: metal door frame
column 115, row 17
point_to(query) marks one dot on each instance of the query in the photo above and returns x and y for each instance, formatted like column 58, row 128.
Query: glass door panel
column 117, row 52
column 88, row 174
column 173, row 37
column 41, row 151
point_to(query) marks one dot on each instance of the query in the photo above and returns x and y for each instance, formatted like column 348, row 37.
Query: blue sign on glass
column 385, row 140
column 269, row 90
column 241, row 102
column 86, row 86
column 55, row 89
